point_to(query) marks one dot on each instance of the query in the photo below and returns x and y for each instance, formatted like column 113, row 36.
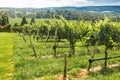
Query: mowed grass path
column 6, row 56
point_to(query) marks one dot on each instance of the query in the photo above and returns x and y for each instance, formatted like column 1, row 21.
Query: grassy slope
column 6, row 64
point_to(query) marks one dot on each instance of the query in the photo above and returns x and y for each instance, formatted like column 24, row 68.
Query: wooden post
column 24, row 38
column 54, row 48
column 90, row 64
column 65, row 67
column 55, row 42
column 48, row 35
column 33, row 47
column 106, row 57
column 87, row 46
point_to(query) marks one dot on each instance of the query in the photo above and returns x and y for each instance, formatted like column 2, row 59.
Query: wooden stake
column 65, row 67
column 33, row 47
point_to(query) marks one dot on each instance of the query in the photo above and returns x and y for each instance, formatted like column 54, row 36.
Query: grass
column 109, row 74
column 6, row 56
column 27, row 67
column 12, row 21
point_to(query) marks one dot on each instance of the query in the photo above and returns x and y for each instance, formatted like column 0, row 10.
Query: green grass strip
column 6, row 56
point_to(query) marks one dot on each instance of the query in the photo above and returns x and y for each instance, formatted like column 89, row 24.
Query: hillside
column 113, row 9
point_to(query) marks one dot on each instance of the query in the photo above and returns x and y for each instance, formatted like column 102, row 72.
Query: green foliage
column 108, row 34
column 72, row 33
column 4, row 19
column 16, row 24
column 103, row 32
column 32, row 20
column 24, row 21
column 90, row 33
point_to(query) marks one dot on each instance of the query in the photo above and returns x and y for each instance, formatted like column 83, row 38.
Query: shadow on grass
column 105, row 71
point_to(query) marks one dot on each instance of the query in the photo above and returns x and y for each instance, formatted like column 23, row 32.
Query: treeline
column 67, row 14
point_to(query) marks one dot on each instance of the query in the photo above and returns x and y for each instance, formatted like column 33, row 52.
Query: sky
column 55, row 3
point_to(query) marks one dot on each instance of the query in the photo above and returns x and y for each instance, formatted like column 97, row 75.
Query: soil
column 60, row 77
column 85, row 74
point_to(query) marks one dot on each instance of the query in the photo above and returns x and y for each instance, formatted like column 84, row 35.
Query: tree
column 4, row 19
column 32, row 20
column 24, row 21
column 16, row 24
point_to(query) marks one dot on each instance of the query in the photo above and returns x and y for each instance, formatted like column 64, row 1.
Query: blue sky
column 56, row 3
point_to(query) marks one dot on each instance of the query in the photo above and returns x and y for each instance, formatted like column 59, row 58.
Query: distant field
column 6, row 56
column 12, row 21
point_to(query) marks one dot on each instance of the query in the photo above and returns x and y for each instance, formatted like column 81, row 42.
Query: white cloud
column 40, row 3
column 44, row 3
column 118, row 3
column 80, row 1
